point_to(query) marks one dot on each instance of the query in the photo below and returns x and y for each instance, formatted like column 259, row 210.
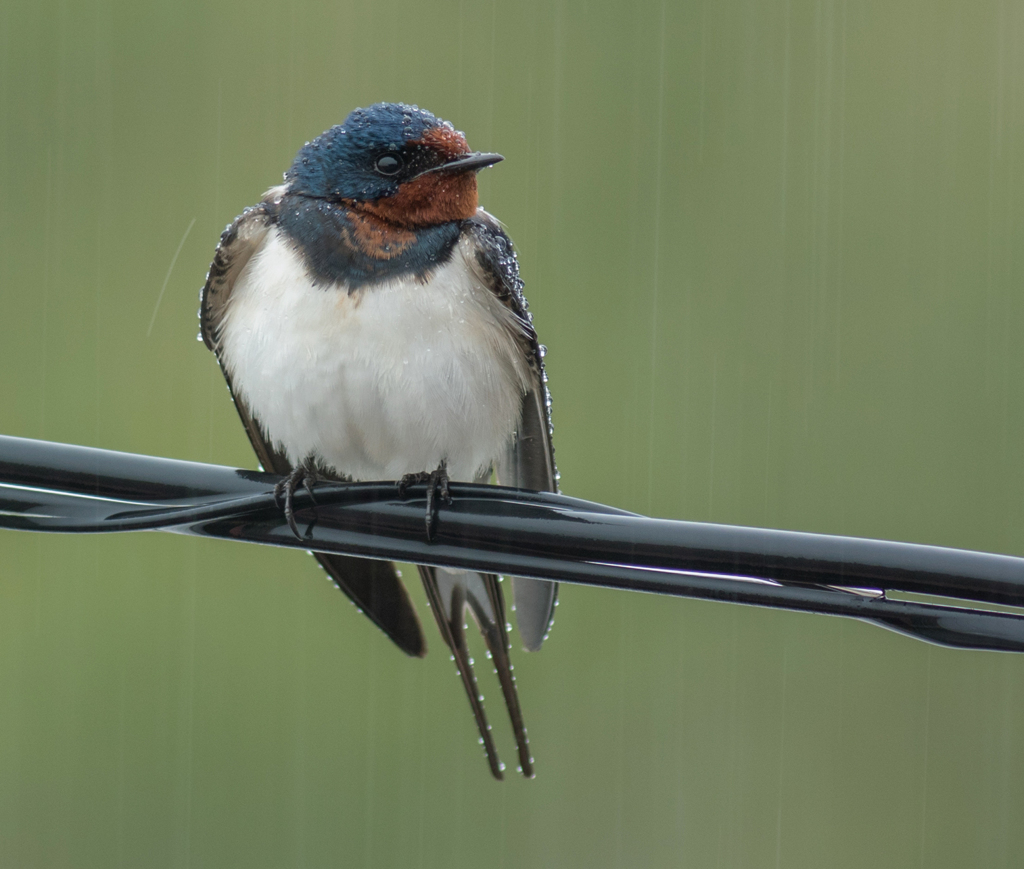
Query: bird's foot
column 304, row 476
column 437, row 487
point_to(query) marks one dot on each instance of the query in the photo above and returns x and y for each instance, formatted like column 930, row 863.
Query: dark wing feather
column 373, row 586
column 238, row 242
column 529, row 462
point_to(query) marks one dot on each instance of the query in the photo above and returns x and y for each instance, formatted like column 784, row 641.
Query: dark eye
column 389, row 164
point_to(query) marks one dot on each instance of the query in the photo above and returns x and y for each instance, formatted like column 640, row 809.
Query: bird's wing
column 529, row 460
column 529, row 464
column 373, row 586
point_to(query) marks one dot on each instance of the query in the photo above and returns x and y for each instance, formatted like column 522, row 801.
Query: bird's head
column 397, row 162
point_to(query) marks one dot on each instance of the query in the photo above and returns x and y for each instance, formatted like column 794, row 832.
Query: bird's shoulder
column 493, row 257
column 238, row 242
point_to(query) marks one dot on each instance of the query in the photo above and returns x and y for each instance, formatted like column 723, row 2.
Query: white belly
column 389, row 380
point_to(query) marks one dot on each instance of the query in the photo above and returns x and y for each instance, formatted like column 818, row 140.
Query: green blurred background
column 775, row 251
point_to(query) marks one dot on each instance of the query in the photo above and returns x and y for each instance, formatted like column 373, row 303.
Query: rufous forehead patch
column 445, row 139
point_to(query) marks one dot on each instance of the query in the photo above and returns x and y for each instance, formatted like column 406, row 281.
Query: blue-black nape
column 339, row 164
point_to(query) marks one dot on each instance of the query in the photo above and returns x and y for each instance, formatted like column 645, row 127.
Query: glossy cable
column 63, row 488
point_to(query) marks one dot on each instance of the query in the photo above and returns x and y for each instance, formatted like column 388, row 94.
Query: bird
column 369, row 318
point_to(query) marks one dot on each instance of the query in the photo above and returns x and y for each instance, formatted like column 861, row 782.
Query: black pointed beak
column 469, row 163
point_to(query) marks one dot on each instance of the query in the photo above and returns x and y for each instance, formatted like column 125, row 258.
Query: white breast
column 388, row 380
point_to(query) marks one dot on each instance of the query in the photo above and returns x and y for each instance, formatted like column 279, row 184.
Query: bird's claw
column 284, row 493
column 437, row 487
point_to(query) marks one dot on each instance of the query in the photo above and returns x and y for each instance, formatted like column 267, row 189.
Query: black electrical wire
column 62, row 488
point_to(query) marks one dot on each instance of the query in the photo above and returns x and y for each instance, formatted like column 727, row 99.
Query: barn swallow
column 370, row 321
